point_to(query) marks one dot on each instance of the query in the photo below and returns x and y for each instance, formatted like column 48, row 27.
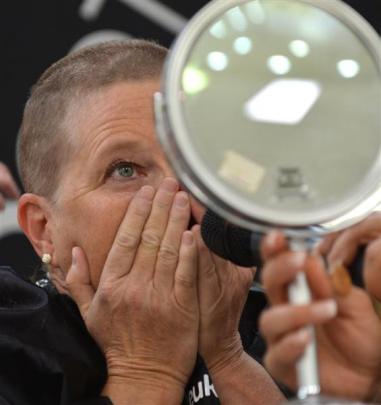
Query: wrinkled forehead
column 125, row 106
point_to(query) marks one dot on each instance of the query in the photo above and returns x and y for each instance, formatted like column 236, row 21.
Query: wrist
column 146, row 370
column 134, row 381
column 127, row 391
column 229, row 355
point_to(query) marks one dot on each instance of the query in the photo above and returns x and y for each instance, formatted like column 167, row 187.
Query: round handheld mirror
column 270, row 113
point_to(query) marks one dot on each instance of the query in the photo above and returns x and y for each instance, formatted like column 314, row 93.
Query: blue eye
column 122, row 170
column 125, row 170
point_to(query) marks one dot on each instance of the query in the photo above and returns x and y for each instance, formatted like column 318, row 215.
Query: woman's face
column 115, row 153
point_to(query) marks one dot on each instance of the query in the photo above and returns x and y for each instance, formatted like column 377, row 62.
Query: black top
column 47, row 357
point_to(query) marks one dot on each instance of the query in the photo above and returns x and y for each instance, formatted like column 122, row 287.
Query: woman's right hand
column 347, row 328
column 144, row 314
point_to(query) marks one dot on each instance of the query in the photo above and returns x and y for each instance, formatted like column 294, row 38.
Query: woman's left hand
column 223, row 289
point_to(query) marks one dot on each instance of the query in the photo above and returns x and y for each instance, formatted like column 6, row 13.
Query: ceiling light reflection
column 217, row 61
column 299, row 48
column 283, row 101
column 218, row 30
column 279, row 64
column 348, row 68
column 194, row 80
column 255, row 12
column 237, row 19
column 242, row 45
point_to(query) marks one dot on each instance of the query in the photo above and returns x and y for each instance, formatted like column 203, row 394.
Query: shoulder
column 47, row 354
column 18, row 294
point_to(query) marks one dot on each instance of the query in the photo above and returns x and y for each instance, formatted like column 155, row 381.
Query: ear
column 33, row 217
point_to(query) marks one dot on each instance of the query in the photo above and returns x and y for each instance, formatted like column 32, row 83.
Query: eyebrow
column 132, row 145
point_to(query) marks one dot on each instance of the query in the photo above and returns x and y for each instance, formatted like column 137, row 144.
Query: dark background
column 36, row 33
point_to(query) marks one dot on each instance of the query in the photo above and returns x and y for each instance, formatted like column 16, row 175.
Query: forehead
column 125, row 107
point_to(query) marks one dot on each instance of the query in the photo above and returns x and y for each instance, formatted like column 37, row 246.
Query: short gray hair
column 42, row 149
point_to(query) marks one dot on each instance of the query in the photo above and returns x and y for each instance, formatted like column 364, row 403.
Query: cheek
column 92, row 225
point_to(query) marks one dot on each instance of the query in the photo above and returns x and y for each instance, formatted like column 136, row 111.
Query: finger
column 283, row 319
column 279, row 272
column 7, row 185
column 318, row 278
column 154, row 229
column 123, row 251
column 208, row 282
column 325, row 245
column 185, row 286
column 168, row 254
column 372, row 269
column 273, row 243
column 346, row 245
column 78, row 281
column 281, row 358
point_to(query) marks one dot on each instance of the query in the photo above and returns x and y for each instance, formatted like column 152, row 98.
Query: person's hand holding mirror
column 348, row 330
column 270, row 116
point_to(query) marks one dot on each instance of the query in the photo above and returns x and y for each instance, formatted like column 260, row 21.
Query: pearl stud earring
column 46, row 258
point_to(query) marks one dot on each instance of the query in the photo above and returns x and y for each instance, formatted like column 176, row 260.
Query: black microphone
column 238, row 245
column 242, row 247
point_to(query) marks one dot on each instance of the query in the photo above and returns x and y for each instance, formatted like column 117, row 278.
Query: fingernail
column 147, row 193
column 169, row 184
column 187, row 238
column 181, row 199
column 326, row 309
column 196, row 228
column 73, row 257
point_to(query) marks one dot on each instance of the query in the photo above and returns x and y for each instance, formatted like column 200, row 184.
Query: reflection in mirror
column 297, row 107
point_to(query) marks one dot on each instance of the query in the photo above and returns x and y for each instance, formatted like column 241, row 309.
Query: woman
column 105, row 215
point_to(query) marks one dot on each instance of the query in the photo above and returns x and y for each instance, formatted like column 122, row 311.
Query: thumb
column 78, row 281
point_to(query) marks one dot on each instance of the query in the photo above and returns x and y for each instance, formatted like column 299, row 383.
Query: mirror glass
column 281, row 102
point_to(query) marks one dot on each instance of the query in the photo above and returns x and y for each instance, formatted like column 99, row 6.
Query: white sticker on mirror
column 241, row 172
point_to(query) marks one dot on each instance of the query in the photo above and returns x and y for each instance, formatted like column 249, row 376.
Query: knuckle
column 150, row 239
column 209, row 271
column 141, row 210
column 168, row 254
column 105, row 292
column 127, row 241
column 186, row 282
